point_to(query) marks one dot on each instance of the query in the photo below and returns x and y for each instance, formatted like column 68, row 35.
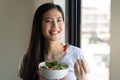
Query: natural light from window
column 96, row 36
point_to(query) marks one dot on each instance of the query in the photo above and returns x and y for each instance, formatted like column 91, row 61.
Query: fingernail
column 82, row 60
column 79, row 59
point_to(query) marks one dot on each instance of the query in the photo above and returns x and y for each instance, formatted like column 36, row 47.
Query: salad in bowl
column 53, row 69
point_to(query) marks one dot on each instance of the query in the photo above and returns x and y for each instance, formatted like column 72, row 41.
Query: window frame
column 73, row 22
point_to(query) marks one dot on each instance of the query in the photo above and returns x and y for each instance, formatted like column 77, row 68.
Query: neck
column 54, row 47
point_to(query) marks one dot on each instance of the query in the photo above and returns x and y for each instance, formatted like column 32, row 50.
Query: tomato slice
column 50, row 67
column 66, row 47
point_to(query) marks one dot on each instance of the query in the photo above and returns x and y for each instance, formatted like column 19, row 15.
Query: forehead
column 52, row 13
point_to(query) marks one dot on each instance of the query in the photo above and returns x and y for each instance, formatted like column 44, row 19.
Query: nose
column 55, row 24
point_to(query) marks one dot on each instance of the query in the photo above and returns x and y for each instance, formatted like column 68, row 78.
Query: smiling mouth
column 54, row 32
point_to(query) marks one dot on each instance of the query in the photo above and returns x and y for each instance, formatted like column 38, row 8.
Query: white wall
column 15, row 27
column 115, row 41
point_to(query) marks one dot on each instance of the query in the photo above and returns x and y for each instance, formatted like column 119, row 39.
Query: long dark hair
column 35, row 53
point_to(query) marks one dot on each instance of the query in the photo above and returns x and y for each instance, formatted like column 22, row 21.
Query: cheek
column 45, row 27
column 62, row 27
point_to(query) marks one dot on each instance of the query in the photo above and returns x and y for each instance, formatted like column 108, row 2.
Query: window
column 88, row 26
column 95, row 37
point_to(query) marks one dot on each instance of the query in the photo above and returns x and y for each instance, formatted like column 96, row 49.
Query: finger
column 85, row 66
column 38, row 72
column 40, row 76
column 81, row 75
column 77, row 68
column 43, row 78
column 82, row 69
column 82, row 72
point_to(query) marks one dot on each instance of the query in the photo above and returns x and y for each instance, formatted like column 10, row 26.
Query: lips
column 53, row 32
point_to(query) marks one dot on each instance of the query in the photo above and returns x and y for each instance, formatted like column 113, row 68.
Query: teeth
column 53, row 32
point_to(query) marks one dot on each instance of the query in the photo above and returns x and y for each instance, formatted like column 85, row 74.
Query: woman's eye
column 60, row 20
column 48, row 21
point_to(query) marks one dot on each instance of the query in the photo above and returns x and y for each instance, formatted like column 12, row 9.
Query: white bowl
column 52, row 74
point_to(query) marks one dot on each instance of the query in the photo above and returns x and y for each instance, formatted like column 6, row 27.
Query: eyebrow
column 51, row 18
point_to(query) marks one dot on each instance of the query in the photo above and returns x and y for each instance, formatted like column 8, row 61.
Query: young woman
column 48, row 26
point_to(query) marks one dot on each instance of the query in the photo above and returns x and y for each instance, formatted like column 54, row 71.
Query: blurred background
column 101, row 43
column 95, row 34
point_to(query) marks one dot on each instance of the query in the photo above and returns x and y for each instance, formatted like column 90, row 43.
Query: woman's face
column 52, row 25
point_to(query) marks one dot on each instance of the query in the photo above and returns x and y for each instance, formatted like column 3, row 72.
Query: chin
column 55, row 39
